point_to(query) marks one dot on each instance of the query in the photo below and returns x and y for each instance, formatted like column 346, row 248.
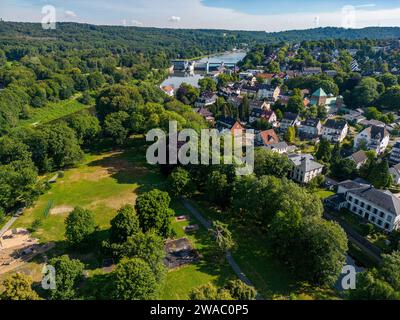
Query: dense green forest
column 182, row 43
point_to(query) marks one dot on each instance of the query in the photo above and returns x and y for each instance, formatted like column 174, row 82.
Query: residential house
column 235, row 101
column 228, row 124
column 250, row 90
column 335, row 130
column 289, row 120
column 359, row 158
column 206, row 114
column 310, row 129
column 270, row 92
column 268, row 115
column 259, row 104
column 168, row 90
column 354, row 116
column 395, row 154
column 266, row 77
column 381, row 208
column 270, row 140
column 395, row 172
column 373, row 138
column 372, row 122
column 206, row 99
column 305, row 168
column 311, row 71
column 331, row 73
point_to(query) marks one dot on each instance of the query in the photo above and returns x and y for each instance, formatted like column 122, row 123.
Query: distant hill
column 176, row 42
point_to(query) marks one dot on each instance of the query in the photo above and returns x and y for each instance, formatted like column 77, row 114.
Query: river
column 177, row 78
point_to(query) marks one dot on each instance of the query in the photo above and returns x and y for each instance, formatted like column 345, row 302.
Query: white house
column 379, row 207
column 395, row 172
column 305, row 168
column 310, row 128
column 373, row 138
column 270, row 92
column 359, row 158
column 206, row 99
column 290, row 120
column 395, row 154
column 168, row 90
column 335, row 130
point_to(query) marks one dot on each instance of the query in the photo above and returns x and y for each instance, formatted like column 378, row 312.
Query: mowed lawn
column 53, row 111
column 103, row 184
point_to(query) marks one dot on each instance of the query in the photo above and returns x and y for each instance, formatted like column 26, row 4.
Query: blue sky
column 266, row 15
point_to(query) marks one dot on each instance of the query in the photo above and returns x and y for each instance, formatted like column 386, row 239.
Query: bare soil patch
column 180, row 252
column 61, row 210
column 17, row 247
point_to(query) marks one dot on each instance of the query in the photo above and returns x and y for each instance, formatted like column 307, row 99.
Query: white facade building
column 374, row 138
column 380, row 208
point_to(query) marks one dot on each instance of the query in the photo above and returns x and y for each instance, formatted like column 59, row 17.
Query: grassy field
column 53, row 111
column 252, row 255
column 323, row 194
column 180, row 281
column 103, row 183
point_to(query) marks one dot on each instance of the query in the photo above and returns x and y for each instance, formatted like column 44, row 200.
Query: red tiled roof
column 269, row 137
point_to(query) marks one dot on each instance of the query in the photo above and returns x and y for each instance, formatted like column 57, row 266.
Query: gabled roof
column 383, row 199
column 290, row 116
column 335, row 124
column 205, row 112
column 376, row 132
column 359, row 157
column 269, row 137
column 311, row 122
column 319, row 93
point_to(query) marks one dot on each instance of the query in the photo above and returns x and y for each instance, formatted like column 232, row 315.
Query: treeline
column 122, row 110
column 310, row 248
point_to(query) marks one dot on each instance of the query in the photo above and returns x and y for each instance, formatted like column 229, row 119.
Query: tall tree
column 124, row 224
column 79, row 225
column 18, row 287
column 68, row 274
column 134, row 280
column 154, row 212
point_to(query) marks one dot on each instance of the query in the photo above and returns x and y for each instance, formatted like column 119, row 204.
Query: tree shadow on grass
column 129, row 167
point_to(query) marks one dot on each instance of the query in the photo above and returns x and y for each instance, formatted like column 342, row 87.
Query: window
column 360, row 212
column 380, row 222
column 381, row 214
column 376, row 211
column 356, row 201
column 389, row 218
column 387, row 226
column 350, row 198
column 354, row 209
column 373, row 219
column 369, row 208
column 362, row 204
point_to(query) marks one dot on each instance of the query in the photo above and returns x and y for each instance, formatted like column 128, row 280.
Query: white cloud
column 71, row 14
column 194, row 14
column 137, row 23
column 174, row 19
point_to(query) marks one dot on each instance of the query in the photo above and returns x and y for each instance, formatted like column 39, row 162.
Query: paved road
column 357, row 239
column 7, row 226
column 207, row 224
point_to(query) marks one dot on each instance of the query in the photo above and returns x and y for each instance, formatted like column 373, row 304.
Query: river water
column 177, row 78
